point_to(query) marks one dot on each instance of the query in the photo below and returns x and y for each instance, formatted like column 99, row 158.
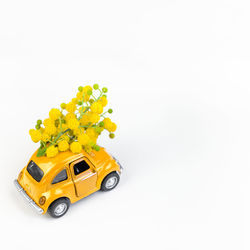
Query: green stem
column 104, row 113
column 51, row 142
column 60, row 134
column 100, row 95
column 82, row 113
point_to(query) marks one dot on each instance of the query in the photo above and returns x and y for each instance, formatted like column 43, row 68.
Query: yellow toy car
column 52, row 184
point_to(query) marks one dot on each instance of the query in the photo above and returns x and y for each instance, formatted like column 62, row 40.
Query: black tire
column 54, row 209
column 110, row 181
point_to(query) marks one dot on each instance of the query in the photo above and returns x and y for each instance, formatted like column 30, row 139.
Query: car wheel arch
column 61, row 197
column 112, row 171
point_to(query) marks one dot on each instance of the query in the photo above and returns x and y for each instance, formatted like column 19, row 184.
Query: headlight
column 42, row 200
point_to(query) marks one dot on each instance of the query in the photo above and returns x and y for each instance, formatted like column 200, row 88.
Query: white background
column 178, row 78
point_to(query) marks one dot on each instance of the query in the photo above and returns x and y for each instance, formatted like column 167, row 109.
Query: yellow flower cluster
column 77, row 125
column 51, row 151
column 109, row 125
column 63, row 145
column 36, row 135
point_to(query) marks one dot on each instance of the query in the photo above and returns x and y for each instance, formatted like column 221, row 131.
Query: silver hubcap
column 111, row 182
column 60, row 209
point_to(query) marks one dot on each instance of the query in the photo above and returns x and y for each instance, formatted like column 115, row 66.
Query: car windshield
column 35, row 171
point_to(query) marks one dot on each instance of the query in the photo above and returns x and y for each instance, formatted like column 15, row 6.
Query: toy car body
column 52, row 184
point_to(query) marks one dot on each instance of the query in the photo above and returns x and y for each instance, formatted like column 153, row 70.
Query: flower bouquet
column 76, row 125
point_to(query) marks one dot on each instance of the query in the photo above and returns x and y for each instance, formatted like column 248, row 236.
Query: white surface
column 178, row 75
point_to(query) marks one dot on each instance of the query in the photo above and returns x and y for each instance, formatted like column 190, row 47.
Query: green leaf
column 41, row 152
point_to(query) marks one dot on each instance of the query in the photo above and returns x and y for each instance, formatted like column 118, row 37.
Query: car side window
column 80, row 167
column 62, row 176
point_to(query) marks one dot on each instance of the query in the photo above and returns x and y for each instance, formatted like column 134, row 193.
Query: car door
column 84, row 176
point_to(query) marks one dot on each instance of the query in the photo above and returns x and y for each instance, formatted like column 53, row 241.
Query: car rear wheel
column 59, row 207
column 110, row 181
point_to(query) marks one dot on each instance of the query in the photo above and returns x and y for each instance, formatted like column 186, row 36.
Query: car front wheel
column 59, row 207
column 110, row 181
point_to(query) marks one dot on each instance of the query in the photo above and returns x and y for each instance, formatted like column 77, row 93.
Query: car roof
column 47, row 164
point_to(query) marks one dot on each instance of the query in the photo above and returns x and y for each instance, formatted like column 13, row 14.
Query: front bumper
column 26, row 196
